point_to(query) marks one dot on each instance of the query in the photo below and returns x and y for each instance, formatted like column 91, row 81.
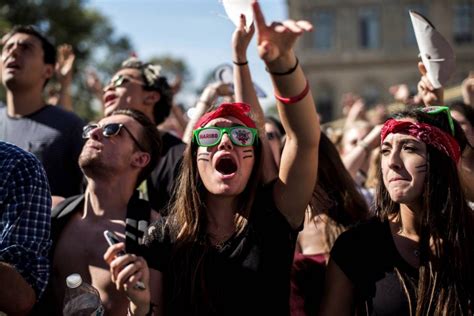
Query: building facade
column 366, row 46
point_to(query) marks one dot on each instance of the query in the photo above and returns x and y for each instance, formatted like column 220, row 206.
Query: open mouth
column 12, row 65
column 226, row 166
column 109, row 97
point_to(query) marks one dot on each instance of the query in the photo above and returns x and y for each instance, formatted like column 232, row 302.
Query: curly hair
column 154, row 81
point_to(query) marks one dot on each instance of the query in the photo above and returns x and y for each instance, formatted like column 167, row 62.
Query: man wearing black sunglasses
column 141, row 86
column 118, row 155
column 52, row 134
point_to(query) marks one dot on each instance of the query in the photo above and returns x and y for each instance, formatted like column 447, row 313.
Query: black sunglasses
column 109, row 130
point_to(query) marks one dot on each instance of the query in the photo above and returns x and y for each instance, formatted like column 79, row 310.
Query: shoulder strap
column 137, row 221
column 60, row 214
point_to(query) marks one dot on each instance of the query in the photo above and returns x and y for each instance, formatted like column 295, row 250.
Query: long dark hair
column 336, row 185
column 446, row 282
column 187, row 223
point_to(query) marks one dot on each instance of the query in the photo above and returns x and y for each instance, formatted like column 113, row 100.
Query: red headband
column 426, row 133
column 238, row 110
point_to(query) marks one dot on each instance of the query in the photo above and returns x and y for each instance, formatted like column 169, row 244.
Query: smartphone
column 112, row 239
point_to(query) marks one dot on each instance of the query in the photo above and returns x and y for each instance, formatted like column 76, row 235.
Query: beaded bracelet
column 292, row 100
column 240, row 64
column 290, row 71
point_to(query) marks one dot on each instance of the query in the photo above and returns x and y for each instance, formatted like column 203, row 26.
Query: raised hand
column 277, row 39
column 467, row 88
column 241, row 40
column 426, row 91
column 126, row 271
column 65, row 63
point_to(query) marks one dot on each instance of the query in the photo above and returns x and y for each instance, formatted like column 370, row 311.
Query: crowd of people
column 231, row 212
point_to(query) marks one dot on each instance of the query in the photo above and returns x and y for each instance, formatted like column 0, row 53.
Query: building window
column 369, row 28
column 410, row 38
column 463, row 26
column 324, row 102
column 324, row 34
column 371, row 94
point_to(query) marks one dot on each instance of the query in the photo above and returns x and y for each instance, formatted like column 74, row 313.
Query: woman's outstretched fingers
column 293, row 26
column 305, row 25
column 258, row 16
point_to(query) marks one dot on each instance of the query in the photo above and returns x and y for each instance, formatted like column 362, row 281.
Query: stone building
column 366, row 46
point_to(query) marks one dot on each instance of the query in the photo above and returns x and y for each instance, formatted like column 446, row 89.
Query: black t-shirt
column 54, row 136
column 161, row 183
column 368, row 256
column 249, row 275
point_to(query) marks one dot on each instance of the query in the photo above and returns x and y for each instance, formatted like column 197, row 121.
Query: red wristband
column 294, row 99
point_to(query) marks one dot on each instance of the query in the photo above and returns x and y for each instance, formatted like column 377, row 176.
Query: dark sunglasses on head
column 121, row 80
column 109, row 130
column 439, row 109
column 211, row 136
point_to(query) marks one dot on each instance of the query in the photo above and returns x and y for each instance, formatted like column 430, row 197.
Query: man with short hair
column 50, row 133
column 119, row 153
column 25, row 224
column 142, row 87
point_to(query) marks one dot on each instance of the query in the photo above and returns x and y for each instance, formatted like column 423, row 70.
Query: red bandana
column 238, row 110
column 428, row 134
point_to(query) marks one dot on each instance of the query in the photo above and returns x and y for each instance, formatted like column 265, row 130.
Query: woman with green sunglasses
column 230, row 236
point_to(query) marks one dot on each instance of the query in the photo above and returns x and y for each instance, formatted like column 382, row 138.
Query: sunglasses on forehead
column 109, row 130
column 122, row 80
column 211, row 136
column 439, row 109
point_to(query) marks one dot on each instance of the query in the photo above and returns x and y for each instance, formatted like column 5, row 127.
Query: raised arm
column 204, row 103
column 299, row 162
column 428, row 94
column 64, row 73
column 245, row 91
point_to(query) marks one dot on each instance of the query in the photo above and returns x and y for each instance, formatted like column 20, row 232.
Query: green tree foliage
column 72, row 22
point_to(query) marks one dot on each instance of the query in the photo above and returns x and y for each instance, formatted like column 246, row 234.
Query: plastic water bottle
column 81, row 298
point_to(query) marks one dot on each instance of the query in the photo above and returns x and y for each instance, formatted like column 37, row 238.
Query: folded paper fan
column 435, row 52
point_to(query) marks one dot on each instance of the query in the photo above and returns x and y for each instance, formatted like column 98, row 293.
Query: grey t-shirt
column 54, row 136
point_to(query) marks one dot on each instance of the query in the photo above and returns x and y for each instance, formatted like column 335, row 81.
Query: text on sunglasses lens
column 239, row 135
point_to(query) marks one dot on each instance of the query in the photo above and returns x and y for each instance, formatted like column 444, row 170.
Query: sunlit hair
column 149, row 138
column 446, row 279
column 335, row 193
column 154, row 80
column 187, row 222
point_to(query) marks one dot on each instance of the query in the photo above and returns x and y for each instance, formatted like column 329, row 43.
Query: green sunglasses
column 439, row 109
column 211, row 136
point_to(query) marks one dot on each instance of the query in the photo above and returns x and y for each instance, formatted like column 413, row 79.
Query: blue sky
column 197, row 31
